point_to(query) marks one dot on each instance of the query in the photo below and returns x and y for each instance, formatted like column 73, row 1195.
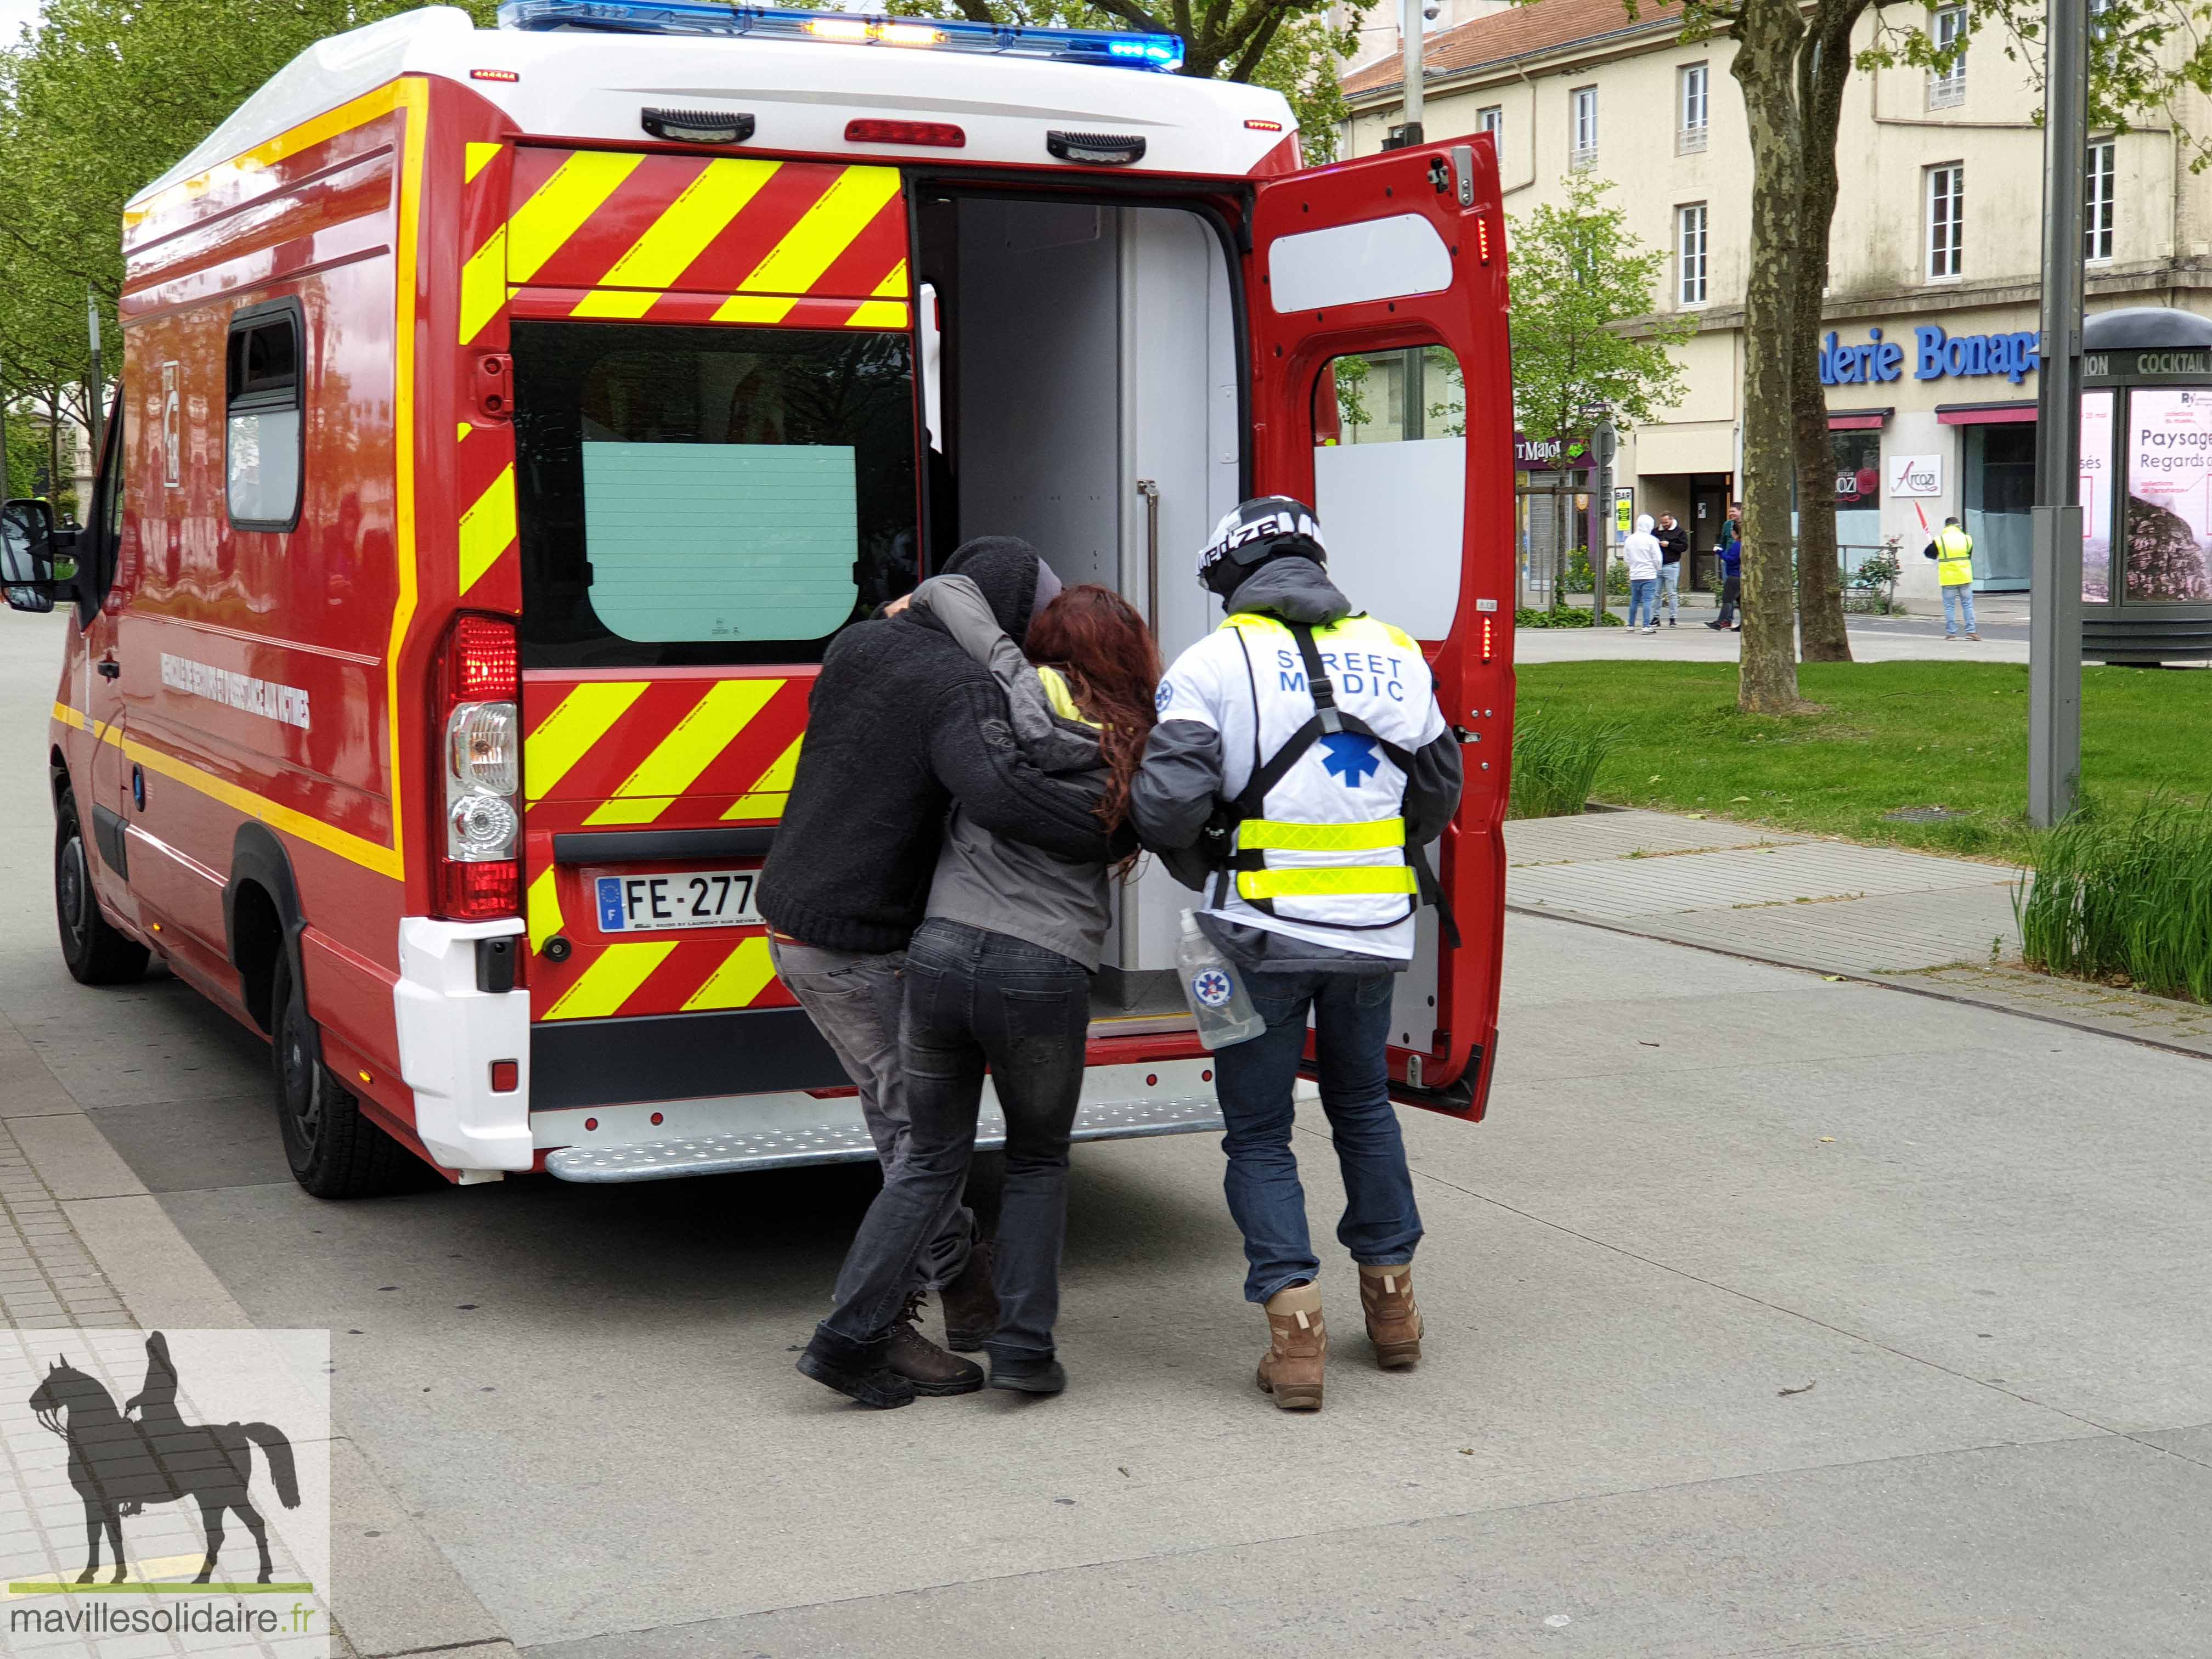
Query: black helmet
column 1265, row 527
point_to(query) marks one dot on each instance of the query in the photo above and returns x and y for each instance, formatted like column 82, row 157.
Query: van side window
column 262, row 410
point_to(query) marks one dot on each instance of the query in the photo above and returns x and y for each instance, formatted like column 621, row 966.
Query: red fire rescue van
column 509, row 418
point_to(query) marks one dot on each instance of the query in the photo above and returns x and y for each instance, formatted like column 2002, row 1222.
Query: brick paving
column 48, row 1280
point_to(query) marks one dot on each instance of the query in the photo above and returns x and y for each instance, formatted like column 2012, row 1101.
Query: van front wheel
column 335, row 1152
column 95, row 953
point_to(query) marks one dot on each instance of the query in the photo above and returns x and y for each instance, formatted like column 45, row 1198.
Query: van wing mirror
column 37, row 562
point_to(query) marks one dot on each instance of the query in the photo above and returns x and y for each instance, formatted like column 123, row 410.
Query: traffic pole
column 2054, row 650
column 93, row 398
column 1410, row 34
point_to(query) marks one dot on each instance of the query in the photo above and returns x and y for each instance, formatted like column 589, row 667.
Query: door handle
column 110, row 668
column 1151, row 491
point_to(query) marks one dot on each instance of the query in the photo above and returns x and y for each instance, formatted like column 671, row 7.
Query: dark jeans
column 856, row 1001
column 1731, row 595
column 1352, row 1025
column 974, row 998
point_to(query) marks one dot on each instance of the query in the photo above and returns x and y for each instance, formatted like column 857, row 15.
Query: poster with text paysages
column 2096, row 496
column 2169, row 519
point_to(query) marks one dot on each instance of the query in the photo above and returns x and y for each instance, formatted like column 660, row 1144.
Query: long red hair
column 1102, row 647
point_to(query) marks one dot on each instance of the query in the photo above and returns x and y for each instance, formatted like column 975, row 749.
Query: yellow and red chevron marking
column 487, row 562
column 761, row 310
column 665, row 749
column 678, row 974
column 670, row 746
column 624, row 228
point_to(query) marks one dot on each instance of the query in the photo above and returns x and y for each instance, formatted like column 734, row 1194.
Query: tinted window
column 708, row 494
column 262, row 441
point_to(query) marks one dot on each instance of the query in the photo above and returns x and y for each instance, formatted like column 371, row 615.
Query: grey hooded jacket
column 985, row 880
column 1182, row 776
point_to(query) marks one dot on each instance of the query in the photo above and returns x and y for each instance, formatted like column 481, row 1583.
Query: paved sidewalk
column 1874, row 639
column 1940, row 926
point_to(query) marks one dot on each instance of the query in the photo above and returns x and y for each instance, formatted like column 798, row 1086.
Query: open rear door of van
column 1381, row 394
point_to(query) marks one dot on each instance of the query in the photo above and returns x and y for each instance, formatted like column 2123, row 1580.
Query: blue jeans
column 1644, row 600
column 1670, row 591
column 973, row 997
column 1351, row 1025
column 1958, row 598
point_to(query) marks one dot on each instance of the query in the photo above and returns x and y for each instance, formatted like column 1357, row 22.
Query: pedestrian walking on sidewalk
column 1314, row 731
column 1730, row 552
column 1953, row 549
column 1641, row 550
column 1673, row 544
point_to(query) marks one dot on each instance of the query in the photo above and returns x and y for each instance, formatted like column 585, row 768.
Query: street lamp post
column 1411, row 133
column 2054, row 673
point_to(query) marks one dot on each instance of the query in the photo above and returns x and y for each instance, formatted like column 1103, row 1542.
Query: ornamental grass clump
column 1555, row 761
column 2129, row 900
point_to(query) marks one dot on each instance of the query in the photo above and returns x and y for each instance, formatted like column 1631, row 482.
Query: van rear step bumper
column 843, row 1139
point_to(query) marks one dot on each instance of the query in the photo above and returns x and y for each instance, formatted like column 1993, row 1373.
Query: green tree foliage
column 1586, row 344
column 103, row 98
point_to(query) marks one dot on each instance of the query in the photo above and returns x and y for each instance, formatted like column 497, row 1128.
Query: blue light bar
column 1109, row 47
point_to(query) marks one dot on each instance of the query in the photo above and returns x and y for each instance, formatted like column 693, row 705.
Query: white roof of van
column 590, row 85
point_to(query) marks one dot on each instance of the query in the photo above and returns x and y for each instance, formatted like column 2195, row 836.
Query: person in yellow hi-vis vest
column 1298, row 766
column 1953, row 549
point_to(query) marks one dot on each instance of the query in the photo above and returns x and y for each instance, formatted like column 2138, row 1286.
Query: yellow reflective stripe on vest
column 1358, row 624
column 1276, row 834
column 1342, row 881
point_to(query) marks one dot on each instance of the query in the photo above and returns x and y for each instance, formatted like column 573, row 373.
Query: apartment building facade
column 1930, row 338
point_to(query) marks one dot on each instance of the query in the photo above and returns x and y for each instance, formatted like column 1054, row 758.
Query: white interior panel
column 1394, row 515
column 1345, row 264
column 1095, row 348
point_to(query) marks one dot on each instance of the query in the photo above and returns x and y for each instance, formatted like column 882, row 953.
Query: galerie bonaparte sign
column 1933, row 354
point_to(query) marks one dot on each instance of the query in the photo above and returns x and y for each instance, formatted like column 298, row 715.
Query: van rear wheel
column 95, row 953
column 334, row 1150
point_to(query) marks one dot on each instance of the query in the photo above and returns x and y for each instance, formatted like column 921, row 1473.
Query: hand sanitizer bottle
column 1214, row 989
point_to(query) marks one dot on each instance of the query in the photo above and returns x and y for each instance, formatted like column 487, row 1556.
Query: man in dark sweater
column 901, row 723
column 1674, row 543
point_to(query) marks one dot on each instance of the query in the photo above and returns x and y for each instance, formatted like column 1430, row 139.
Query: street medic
column 901, row 725
column 1299, row 761
column 1953, row 549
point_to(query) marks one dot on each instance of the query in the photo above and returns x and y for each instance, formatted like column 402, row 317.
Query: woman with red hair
column 999, row 975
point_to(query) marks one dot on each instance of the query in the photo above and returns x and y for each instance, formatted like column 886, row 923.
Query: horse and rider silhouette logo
column 120, row 1462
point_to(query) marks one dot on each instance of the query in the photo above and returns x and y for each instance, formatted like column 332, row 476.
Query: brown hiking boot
column 1298, row 1348
column 971, row 1306
column 1393, row 1321
column 922, row 1363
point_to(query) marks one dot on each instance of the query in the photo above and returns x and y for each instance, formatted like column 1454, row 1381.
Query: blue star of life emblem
column 1350, row 757
column 1212, row 987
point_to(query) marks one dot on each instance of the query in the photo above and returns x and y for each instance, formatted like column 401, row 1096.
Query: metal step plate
column 846, row 1140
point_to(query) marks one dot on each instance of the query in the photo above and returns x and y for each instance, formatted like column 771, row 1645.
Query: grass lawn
column 1889, row 735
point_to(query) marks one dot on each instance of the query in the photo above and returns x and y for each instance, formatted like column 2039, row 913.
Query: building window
column 2097, row 203
column 1946, row 228
column 1690, row 253
column 1585, row 134
column 1692, row 110
column 262, row 414
column 1946, row 86
column 1492, row 121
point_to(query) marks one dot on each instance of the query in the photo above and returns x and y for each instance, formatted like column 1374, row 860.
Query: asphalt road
column 1766, row 1314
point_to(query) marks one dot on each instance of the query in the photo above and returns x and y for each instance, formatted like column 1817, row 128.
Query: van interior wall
column 1094, row 347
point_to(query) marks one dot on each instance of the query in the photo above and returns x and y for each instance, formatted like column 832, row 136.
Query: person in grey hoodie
column 998, row 974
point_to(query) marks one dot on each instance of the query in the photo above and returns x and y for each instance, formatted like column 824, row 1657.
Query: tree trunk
column 1767, row 33
column 1823, row 63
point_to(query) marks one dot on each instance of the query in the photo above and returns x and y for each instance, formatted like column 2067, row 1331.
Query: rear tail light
column 1488, row 641
column 479, row 872
column 942, row 135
